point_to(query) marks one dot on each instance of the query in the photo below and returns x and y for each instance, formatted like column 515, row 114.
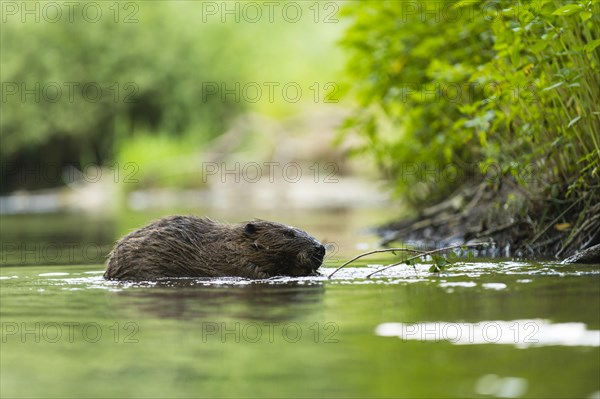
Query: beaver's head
column 279, row 250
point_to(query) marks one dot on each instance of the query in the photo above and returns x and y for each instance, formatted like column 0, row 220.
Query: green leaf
column 588, row 48
column 585, row 15
column 439, row 261
column 574, row 121
column 539, row 46
column 554, row 86
column 463, row 3
column 569, row 9
column 434, row 269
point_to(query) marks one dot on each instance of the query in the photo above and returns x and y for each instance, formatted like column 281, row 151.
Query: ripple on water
column 494, row 286
column 469, row 273
column 466, row 284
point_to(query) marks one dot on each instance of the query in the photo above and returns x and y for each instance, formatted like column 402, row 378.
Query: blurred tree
column 72, row 90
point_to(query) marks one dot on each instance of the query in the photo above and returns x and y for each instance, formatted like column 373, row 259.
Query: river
column 500, row 328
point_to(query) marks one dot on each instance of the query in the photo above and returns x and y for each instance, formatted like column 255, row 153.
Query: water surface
column 505, row 329
column 481, row 329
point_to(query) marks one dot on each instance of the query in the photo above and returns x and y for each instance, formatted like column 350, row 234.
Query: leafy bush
column 448, row 86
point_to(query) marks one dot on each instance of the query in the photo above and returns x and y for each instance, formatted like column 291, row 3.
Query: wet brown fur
column 188, row 246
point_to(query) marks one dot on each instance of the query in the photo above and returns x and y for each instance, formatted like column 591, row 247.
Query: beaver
column 190, row 246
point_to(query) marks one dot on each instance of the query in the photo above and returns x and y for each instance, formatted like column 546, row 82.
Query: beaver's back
column 168, row 247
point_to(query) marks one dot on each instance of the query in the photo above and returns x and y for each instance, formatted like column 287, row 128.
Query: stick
column 376, row 252
column 425, row 254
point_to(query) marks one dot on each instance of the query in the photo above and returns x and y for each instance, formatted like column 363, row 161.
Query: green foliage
column 170, row 75
column 548, row 52
column 439, row 263
column 445, row 86
column 150, row 72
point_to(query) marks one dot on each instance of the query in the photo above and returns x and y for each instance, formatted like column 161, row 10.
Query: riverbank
column 515, row 224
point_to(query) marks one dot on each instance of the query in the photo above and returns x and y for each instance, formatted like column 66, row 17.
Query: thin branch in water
column 376, row 252
column 434, row 251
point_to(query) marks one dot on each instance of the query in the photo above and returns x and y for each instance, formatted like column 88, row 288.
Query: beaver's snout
column 316, row 260
column 320, row 253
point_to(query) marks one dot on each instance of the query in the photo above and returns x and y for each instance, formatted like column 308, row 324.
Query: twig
column 427, row 253
column 577, row 232
column 376, row 252
column 496, row 229
column 554, row 221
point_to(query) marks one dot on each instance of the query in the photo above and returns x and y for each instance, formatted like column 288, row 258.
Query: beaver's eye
column 289, row 233
column 250, row 229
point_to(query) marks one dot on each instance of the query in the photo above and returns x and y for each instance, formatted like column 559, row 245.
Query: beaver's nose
column 321, row 251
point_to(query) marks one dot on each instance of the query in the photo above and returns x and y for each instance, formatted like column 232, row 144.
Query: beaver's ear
column 250, row 229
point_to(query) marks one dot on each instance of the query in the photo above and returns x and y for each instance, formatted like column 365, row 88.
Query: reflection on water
column 520, row 333
column 194, row 299
column 502, row 387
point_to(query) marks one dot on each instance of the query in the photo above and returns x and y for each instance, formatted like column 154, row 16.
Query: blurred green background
column 137, row 82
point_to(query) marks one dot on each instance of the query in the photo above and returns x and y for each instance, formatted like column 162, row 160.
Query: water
column 481, row 329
